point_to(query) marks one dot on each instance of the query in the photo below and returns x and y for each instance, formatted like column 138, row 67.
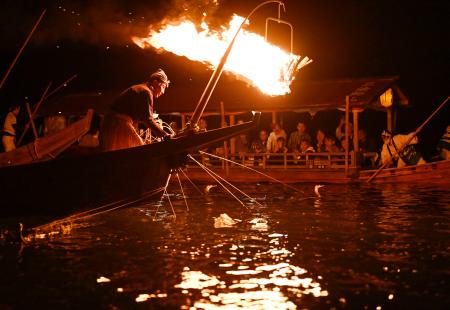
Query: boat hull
column 434, row 172
column 65, row 185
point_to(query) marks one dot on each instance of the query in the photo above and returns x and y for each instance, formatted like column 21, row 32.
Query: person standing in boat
column 443, row 146
column 9, row 128
column 397, row 152
column 133, row 106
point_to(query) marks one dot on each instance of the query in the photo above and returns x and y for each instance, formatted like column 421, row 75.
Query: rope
column 87, row 214
column 195, row 186
column 254, row 170
column 212, row 176
column 182, row 191
column 165, row 193
column 243, row 193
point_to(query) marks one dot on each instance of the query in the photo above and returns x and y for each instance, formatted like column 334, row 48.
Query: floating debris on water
column 259, row 224
column 224, row 220
column 103, row 280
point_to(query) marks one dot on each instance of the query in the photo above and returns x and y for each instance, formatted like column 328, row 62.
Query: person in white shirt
column 400, row 150
column 9, row 129
column 273, row 137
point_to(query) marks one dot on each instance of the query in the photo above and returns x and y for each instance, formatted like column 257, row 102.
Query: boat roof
column 238, row 97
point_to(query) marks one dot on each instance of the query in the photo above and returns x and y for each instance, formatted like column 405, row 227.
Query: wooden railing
column 283, row 160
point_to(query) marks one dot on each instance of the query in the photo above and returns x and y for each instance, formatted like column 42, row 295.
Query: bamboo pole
column 355, row 131
column 31, row 115
column 22, row 48
column 59, row 87
column 410, row 139
column 225, row 143
column 347, row 116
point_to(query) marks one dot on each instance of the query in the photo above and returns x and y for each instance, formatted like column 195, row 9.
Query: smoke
column 115, row 22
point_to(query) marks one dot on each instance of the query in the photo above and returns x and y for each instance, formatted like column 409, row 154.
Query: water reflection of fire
column 249, row 282
column 263, row 65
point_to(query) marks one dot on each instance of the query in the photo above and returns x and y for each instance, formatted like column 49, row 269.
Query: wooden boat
column 434, row 172
column 67, row 184
column 47, row 147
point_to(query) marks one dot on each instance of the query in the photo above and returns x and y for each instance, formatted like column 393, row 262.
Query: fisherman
column 9, row 128
column 133, row 106
column 400, row 150
column 444, row 144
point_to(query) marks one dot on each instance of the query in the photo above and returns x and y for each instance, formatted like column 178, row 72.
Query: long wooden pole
column 32, row 115
column 225, row 142
column 22, row 48
column 347, row 111
column 411, row 138
column 59, row 87
column 206, row 95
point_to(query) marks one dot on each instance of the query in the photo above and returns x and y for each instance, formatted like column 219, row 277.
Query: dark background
column 345, row 38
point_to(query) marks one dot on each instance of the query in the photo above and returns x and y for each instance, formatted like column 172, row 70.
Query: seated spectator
column 443, row 146
column 320, row 138
column 260, row 144
column 297, row 136
column 306, row 147
column 344, row 145
column 281, row 145
column 241, row 143
column 280, row 148
column 274, row 135
column 330, row 145
column 365, row 143
column 340, row 130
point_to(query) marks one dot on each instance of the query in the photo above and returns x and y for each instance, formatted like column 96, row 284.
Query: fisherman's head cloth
column 159, row 75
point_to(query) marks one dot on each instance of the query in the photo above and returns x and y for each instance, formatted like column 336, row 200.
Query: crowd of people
column 390, row 150
column 301, row 141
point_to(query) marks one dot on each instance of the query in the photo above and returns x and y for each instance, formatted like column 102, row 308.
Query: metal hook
column 280, row 21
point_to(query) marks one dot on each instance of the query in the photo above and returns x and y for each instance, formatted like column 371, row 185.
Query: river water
column 354, row 247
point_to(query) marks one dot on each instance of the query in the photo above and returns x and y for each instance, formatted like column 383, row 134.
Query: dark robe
column 134, row 105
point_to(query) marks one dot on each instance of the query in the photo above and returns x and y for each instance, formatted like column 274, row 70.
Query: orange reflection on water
column 267, row 280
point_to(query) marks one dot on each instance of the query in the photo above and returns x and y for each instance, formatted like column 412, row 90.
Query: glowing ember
column 260, row 63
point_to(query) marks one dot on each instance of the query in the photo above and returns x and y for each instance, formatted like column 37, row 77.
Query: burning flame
column 260, row 63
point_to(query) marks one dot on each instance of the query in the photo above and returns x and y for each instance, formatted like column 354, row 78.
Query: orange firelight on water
column 260, row 63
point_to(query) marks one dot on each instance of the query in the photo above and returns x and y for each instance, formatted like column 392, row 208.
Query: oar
column 32, row 114
column 410, row 139
column 44, row 97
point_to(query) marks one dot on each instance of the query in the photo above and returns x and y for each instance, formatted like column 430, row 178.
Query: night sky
column 345, row 39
